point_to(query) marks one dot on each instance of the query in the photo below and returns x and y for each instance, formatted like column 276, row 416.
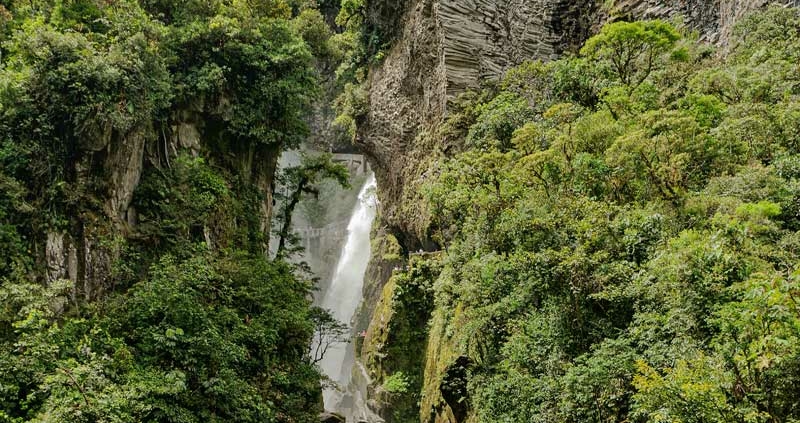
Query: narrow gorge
column 374, row 211
column 342, row 296
column 421, row 348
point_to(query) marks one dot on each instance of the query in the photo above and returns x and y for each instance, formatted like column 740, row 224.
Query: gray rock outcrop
column 441, row 48
column 111, row 166
column 331, row 418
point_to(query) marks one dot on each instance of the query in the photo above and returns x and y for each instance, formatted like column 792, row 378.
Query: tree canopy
column 177, row 108
column 620, row 234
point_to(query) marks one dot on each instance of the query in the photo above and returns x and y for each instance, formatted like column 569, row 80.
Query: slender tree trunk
column 287, row 217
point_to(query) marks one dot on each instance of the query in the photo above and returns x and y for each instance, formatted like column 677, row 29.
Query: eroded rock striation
column 112, row 165
column 441, row 48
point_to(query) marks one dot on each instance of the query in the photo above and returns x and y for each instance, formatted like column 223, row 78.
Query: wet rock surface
column 331, row 418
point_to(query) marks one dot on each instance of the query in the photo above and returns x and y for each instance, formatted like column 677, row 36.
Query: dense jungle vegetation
column 621, row 238
column 620, row 228
column 194, row 323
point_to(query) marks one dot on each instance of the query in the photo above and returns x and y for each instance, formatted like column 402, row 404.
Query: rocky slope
column 114, row 163
column 440, row 49
column 443, row 47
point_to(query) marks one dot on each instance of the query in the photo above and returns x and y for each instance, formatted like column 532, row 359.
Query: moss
column 391, row 250
column 378, row 331
column 453, row 343
column 442, row 350
column 397, row 336
column 383, row 262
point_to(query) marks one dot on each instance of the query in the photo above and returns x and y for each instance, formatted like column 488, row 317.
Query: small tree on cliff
column 632, row 49
column 299, row 181
column 327, row 332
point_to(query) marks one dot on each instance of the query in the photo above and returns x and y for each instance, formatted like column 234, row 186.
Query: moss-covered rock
column 394, row 346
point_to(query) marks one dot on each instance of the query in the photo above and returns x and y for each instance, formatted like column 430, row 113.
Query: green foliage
column 327, row 332
column 632, row 49
column 195, row 324
column 352, row 105
column 397, row 383
column 621, row 247
column 262, row 72
column 237, row 331
column 66, row 94
column 205, row 339
column 362, row 43
column 763, row 36
column 179, row 204
column 395, row 348
column 497, row 121
column 311, row 25
column 695, row 385
column 303, row 180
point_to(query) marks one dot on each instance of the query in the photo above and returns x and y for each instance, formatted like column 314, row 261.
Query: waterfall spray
column 342, row 299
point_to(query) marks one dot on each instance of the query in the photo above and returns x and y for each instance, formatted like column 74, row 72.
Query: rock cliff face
column 444, row 47
column 441, row 48
column 111, row 166
column 713, row 19
column 112, row 163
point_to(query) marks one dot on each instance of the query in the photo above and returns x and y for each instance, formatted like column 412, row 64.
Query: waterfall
column 342, row 299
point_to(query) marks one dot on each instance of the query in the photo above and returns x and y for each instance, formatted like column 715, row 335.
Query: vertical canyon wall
column 109, row 166
column 439, row 49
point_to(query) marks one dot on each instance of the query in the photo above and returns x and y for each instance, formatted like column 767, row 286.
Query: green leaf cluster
column 183, row 106
column 621, row 234
column 205, row 339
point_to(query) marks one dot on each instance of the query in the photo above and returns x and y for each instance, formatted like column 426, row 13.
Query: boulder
column 329, row 417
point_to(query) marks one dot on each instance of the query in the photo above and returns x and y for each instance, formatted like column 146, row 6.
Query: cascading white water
column 343, row 297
